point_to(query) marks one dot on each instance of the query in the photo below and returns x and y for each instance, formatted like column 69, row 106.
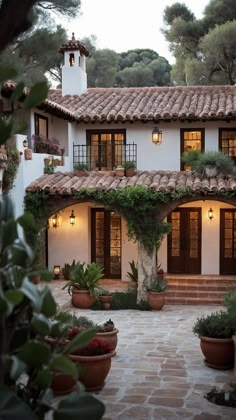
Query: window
column 191, row 139
column 41, row 125
column 227, row 142
column 106, row 148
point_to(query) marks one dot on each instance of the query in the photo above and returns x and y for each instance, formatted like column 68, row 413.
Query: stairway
column 198, row 289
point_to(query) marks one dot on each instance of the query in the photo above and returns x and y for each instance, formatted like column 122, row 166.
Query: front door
column 106, row 241
column 184, row 241
column 227, row 241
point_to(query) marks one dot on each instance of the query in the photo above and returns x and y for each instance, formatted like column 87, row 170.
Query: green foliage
column 133, row 273
column 230, row 302
column 81, row 167
column 49, row 168
column 11, row 169
column 67, row 270
column 129, row 164
column 157, row 285
column 71, row 321
column 216, row 325
column 27, row 363
column 199, row 160
column 124, row 300
column 203, row 48
column 85, row 278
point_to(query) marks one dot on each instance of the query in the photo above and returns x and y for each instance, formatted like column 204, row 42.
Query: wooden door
column 227, row 241
column 106, row 241
column 184, row 241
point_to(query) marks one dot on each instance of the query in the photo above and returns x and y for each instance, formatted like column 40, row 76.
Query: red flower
column 95, row 348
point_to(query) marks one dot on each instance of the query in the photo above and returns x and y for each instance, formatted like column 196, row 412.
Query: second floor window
column 106, row 148
column 41, row 125
column 227, row 142
column 191, row 139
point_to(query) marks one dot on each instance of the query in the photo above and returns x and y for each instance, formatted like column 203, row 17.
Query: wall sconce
column 156, row 136
column 55, row 222
column 210, row 213
column 56, row 271
column 72, row 218
column 25, row 143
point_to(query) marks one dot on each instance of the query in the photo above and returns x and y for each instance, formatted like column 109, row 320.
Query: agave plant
column 85, row 278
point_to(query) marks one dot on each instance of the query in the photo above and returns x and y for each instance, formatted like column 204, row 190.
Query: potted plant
column 94, row 362
column 210, row 163
column 133, row 273
column 105, row 297
column 120, row 171
column 80, row 169
column 83, row 285
column 215, row 332
column 157, row 293
column 66, row 270
column 108, row 333
column 129, row 167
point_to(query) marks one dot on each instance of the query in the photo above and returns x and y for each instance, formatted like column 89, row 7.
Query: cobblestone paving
column 158, row 372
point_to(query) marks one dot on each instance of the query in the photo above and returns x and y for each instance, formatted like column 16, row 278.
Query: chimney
column 74, row 76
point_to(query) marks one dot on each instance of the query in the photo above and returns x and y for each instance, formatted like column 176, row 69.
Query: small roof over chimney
column 72, row 45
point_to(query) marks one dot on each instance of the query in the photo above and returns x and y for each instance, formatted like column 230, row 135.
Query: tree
column 197, row 61
column 34, row 51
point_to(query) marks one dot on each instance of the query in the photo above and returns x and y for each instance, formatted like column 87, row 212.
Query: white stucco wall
column 165, row 156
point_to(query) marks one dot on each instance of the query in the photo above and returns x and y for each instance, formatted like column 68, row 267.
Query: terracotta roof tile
column 69, row 183
column 145, row 104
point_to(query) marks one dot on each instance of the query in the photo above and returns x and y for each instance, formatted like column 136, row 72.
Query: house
column 103, row 127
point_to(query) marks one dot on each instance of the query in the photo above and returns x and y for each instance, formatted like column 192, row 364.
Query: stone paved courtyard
column 158, row 372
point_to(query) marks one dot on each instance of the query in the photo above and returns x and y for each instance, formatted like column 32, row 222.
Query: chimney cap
column 73, row 45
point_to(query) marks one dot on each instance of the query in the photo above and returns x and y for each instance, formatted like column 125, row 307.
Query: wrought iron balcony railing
column 104, row 156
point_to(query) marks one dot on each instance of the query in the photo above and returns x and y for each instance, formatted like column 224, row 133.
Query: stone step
column 193, row 301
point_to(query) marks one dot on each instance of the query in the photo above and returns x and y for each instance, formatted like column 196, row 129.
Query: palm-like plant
column 85, row 278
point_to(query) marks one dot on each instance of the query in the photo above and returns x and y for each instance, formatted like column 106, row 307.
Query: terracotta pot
column 106, row 301
column 218, row 352
column 156, row 300
column 62, row 384
column 28, row 154
column 129, row 172
column 94, row 369
column 79, row 173
column 82, row 299
column 120, row 173
column 109, row 337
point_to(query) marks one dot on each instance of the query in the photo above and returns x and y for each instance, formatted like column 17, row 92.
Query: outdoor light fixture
column 72, row 218
column 156, row 136
column 210, row 213
column 25, row 143
column 56, row 271
column 55, row 222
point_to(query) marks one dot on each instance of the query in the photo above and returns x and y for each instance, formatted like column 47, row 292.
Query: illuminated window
column 191, row 139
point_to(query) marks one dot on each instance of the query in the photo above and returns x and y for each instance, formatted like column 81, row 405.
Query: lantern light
column 72, row 218
column 210, row 213
column 156, row 136
column 56, row 271
column 55, row 222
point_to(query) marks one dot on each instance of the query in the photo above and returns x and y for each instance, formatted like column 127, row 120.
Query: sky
column 122, row 25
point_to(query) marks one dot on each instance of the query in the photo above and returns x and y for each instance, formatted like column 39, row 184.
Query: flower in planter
column 96, row 347
column 46, row 145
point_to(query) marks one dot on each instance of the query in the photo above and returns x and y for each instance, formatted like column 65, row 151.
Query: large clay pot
column 82, row 299
column 62, row 384
column 156, row 300
column 106, row 301
column 210, row 171
column 218, row 352
column 94, row 369
column 109, row 337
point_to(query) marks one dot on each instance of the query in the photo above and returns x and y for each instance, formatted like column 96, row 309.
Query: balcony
column 104, row 156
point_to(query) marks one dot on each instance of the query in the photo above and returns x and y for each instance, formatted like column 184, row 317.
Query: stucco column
column 146, row 270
